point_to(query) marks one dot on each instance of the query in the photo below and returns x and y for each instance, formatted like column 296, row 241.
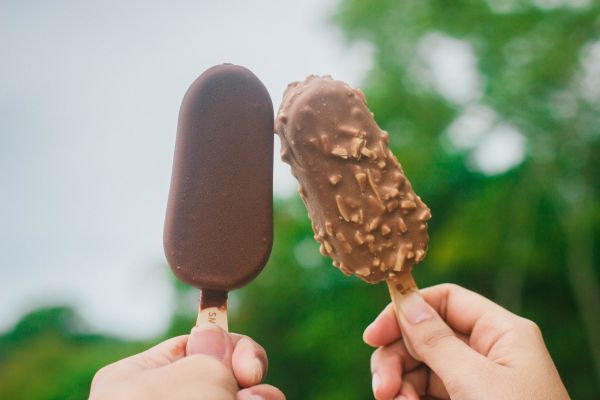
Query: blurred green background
column 527, row 237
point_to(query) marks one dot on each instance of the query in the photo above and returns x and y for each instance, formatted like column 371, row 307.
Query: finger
column 461, row 308
column 435, row 386
column 409, row 390
column 384, row 330
column 388, row 363
column 162, row 354
column 385, row 356
column 197, row 370
column 249, row 361
column 211, row 340
column 434, row 342
column 262, row 392
column 470, row 313
column 424, row 382
column 386, row 370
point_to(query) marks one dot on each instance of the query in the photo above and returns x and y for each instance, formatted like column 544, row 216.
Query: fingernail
column 257, row 370
column 253, row 365
column 401, row 397
column 414, row 308
column 208, row 339
column 376, row 382
column 246, row 395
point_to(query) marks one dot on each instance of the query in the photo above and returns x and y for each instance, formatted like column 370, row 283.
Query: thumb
column 431, row 340
column 210, row 340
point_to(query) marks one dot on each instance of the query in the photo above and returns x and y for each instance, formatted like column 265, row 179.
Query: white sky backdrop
column 89, row 96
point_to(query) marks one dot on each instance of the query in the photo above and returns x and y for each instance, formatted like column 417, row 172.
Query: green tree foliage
column 45, row 356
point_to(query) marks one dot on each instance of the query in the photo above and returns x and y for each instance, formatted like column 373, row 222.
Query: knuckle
column 385, row 357
column 450, row 286
column 436, row 337
column 455, row 387
column 101, row 375
column 212, row 370
column 530, row 327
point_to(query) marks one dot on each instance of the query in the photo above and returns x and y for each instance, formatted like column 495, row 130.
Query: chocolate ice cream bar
column 219, row 222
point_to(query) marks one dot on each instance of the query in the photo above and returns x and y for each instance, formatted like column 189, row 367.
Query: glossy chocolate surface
column 219, row 222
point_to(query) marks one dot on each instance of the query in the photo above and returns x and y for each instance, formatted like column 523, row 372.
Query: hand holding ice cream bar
column 219, row 224
column 364, row 212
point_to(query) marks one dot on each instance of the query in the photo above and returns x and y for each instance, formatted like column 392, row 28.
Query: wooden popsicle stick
column 213, row 308
column 399, row 288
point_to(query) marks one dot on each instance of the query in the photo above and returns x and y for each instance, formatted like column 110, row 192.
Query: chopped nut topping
column 390, row 192
column 376, row 175
column 325, row 143
column 399, row 259
column 385, row 230
column 335, row 179
column 358, row 238
column 342, row 207
column 340, row 152
column 392, row 205
column 382, row 148
column 345, row 270
column 373, row 224
column 322, row 250
column 355, row 147
column 425, row 215
column 329, row 228
column 319, row 234
column 361, row 179
column 372, row 184
column 402, row 225
column 375, row 203
column 353, row 203
column 347, row 130
column 327, row 246
column 365, row 151
column 347, row 247
column 408, row 204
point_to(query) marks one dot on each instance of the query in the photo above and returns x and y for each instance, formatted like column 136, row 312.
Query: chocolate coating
column 219, row 222
column 364, row 211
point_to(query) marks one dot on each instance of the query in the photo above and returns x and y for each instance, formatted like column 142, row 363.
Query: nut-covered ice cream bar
column 364, row 212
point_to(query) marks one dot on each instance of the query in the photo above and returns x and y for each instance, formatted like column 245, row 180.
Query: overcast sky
column 89, row 96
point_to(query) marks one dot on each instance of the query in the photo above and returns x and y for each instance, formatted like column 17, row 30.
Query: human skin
column 207, row 364
column 451, row 343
